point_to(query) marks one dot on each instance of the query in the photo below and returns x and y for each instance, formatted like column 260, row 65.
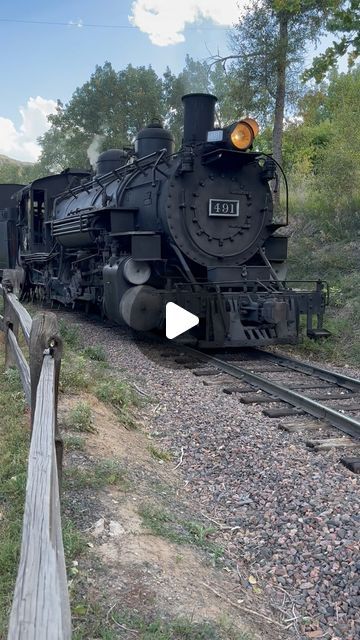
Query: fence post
column 45, row 335
column 11, row 323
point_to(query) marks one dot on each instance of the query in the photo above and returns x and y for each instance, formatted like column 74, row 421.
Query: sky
column 40, row 63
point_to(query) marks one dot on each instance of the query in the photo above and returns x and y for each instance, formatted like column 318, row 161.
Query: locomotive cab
column 35, row 202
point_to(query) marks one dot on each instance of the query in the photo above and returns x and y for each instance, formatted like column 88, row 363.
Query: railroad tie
column 294, row 427
column 282, row 413
column 353, row 464
column 333, row 443
column 258, row 398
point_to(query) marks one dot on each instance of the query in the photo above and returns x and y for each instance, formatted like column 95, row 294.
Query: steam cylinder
column 199, row 116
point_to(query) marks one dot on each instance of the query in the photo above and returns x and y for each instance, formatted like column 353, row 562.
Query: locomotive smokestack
column 199, row 116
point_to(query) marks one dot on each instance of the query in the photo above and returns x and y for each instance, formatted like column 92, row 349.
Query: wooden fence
column 40, row 608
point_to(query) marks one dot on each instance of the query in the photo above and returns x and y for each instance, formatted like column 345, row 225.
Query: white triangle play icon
column 178, row 320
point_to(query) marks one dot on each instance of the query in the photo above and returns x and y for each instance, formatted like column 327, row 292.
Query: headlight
column 242, row 136
column 242, row 133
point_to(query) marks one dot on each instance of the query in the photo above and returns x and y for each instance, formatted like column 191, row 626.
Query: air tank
column 154, row 138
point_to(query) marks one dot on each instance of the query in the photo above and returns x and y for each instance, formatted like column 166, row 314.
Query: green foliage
column 80, row 418
column 120, row 396
column 70, row 334
column 112, row 106
column 159, row 454
column 91, row 623
column 14, row 171
column 344, row 21
column 262, row 50
column 322, row 154
column 166, row 525
column 73, row 540
column 76, row 373
column 13, row 470
column 96, row 352
column 72, row 442
column 101, row 474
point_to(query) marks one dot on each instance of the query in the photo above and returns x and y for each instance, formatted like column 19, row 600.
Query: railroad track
column 288, row 388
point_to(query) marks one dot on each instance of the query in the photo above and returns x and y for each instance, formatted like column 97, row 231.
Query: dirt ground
column 126, row 565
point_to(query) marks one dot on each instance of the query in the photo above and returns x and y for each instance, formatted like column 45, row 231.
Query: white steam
column 94, row 149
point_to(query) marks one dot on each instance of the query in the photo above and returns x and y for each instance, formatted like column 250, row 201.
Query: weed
column 177, row 629
column 80, row 418
column 72, row 442
column 120, row 396
column 95, row 353
column 70, row 334
column 158, row 454
column 75, row 373
column 162, row 523
column 74, row 541
column 101, row 474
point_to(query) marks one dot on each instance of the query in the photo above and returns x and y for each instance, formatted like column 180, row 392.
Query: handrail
column 41, row 607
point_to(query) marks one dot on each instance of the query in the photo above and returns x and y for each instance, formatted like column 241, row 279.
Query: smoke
column 94, row 149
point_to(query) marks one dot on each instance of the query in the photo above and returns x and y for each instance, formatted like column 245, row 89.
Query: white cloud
column 165, row 20
column 21, row 143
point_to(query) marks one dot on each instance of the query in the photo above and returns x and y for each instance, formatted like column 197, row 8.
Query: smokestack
column 199, row 116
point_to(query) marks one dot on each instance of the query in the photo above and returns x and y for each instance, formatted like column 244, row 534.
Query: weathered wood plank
column 11, row 323
column 23, row 316
column 22, row 365
column 44, row 335
column 41, row 609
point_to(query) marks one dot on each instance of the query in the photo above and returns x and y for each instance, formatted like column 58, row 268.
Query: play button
column 178, row 320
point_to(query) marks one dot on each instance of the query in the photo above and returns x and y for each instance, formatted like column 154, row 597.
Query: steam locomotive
column 195, row 227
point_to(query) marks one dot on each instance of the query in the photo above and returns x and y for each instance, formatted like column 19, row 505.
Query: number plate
column 227, row 208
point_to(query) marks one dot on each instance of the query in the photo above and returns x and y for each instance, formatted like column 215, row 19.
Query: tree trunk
column 280, row 94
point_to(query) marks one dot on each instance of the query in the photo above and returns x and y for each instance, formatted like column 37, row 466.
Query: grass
column 76, row 373
column 338, row 263
column 96, row 353
column 101, row 474
column 166, row 525
column 73, row 442
column 148, row 627
column 14, row 436
column 74, row 541
column 70, row 333
column 80, row 418
column 120, row 396
column 159, row 454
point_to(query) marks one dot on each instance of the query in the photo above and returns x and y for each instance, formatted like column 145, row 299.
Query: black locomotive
column 195, row 227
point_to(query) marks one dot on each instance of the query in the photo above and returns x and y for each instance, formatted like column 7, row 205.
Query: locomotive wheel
column 141, row 308
column 136, row 271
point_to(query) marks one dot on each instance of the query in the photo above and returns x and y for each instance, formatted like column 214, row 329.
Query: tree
column 14, row 171
column 344, row 20
column 322, row 157
column 269, row 44
column 110, row 108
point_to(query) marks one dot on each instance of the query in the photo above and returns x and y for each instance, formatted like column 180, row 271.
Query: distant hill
column 19, row 163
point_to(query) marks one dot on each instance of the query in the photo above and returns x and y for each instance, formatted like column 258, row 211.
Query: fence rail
column 40, row 608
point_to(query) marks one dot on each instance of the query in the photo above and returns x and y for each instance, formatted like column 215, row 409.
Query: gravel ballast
column 287, row 517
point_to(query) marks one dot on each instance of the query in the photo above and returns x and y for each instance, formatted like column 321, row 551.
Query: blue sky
column 42, row 62
column 50, row 61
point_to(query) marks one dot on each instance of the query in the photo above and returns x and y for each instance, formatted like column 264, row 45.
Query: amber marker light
column 242, row 133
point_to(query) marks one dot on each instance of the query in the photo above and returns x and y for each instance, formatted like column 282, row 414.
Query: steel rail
column 310, row 369
column 342, row 422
